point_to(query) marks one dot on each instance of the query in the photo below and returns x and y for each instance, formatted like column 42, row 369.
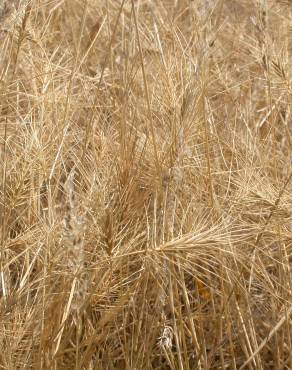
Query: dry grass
column 146, row 192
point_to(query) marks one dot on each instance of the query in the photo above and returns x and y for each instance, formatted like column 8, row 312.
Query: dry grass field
column 145, row 184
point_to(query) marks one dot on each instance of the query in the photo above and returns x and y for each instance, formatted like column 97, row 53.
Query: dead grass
column 145, row 185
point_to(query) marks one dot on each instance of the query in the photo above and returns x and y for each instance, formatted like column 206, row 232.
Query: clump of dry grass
column 145, row 185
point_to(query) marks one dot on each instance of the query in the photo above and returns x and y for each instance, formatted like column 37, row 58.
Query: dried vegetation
column 145, row 188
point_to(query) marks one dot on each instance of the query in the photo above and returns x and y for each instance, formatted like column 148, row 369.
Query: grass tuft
column 145, row 188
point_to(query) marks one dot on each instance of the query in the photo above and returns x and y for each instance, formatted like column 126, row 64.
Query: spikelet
column 165, row 341
column 175, row 175
column 74, row 242
column 11, row 15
